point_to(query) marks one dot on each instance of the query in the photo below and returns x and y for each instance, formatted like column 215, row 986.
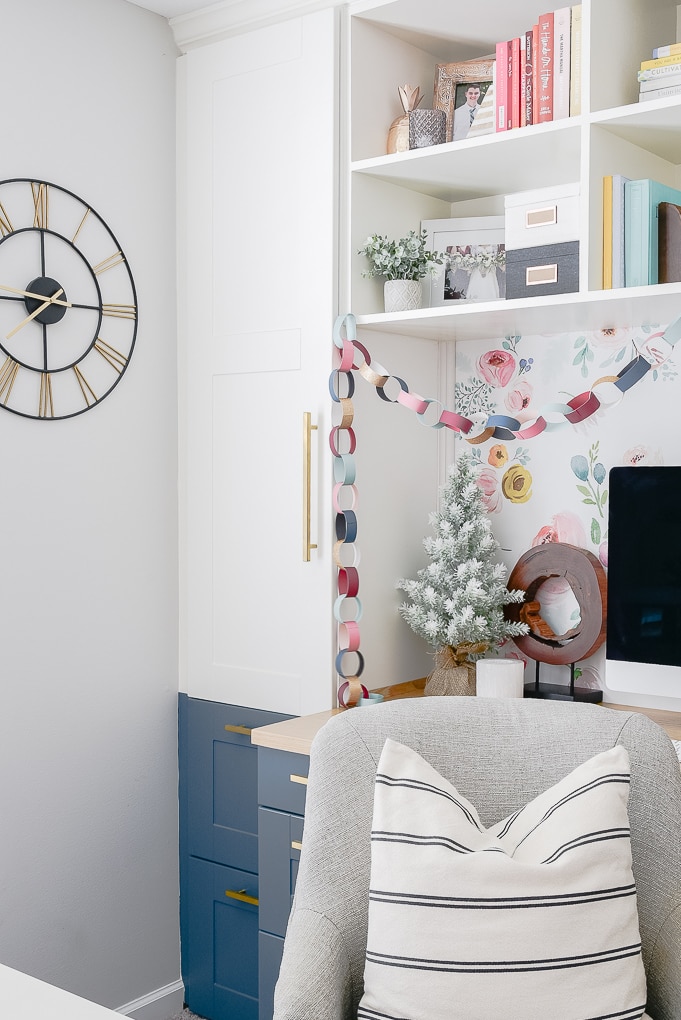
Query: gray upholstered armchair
column 499, row 754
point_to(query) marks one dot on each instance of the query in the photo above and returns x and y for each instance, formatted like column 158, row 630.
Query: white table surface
column 26, row 998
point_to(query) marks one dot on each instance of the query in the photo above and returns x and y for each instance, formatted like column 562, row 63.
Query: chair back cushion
column 499, row 754
column 534, row 917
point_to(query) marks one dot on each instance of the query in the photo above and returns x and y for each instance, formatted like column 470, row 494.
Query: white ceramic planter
column 402, row 295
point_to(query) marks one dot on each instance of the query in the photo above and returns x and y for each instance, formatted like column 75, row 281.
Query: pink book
column 545, row 68
column 515, row 83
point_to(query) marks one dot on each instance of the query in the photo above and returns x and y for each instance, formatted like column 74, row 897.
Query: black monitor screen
column 644, row 565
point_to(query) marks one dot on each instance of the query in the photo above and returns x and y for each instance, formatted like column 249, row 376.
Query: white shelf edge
column 583, row 311
column 414, row 156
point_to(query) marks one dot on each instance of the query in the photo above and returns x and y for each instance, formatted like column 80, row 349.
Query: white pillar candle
column 499, row 678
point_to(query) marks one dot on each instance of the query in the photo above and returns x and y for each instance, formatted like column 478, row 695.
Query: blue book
column 641, row 199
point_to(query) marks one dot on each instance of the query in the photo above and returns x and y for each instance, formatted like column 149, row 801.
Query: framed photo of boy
column 475, row 267
column 465, row 91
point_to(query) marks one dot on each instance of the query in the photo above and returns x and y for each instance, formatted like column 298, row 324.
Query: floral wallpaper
column 554, row 487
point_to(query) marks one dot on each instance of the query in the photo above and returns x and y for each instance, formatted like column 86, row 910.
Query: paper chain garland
column 354, row 357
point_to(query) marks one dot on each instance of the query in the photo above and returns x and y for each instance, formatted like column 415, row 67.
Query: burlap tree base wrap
column 454, row 674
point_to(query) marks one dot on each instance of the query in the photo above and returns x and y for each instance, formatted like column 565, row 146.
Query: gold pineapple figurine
column 398, row 135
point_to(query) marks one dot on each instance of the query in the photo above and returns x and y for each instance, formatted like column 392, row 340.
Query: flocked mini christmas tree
column 456, row 603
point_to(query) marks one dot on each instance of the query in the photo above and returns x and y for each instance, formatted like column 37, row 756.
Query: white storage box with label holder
column 542, row 216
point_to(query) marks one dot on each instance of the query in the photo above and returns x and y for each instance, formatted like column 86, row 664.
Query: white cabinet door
column 256, row 194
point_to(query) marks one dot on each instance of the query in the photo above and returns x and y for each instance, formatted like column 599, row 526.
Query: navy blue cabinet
column 219, row 882
column 282, row 785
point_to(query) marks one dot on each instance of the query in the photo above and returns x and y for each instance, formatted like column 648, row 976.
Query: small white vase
column 401, row 295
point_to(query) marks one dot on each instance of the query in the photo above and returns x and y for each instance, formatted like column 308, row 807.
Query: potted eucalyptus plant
column 404, row 264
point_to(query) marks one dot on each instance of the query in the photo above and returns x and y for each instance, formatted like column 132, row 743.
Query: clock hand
column 30, row 294
column 39, row 309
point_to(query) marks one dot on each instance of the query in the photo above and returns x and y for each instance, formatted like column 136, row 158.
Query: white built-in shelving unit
column 390, row 43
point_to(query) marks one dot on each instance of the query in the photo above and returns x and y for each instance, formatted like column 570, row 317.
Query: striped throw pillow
column 532, row 919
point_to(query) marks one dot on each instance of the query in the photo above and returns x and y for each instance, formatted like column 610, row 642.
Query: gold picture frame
column 449, row 94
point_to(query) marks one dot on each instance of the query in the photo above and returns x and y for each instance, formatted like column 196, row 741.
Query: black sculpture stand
column 560, row 692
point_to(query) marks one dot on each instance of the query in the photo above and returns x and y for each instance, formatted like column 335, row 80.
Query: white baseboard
column 157, row 1005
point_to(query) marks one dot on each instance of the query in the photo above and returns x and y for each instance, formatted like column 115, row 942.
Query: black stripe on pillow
column 380, row 836
column 501, row 902
column 584, row 840
column 503, row 966
column 420, row 787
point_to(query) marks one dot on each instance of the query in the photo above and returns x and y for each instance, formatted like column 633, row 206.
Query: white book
column 561, row 63
column 673, row 90
column 660, row 83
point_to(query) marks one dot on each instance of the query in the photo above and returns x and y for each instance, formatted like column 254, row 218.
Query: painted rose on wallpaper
column 518, row 399
column 563, row 527
column 516, row 484
column 498, row 455
column 497, row 367
column 488, row 483
column 641, row 455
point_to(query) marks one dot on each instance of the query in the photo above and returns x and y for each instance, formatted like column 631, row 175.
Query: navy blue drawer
column 280, row 840
column 220, row 950
column 282, row 779
column 220, row 777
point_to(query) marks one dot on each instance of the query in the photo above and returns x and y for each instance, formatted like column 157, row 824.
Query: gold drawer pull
column 242, row 896
column 298, row 779
column 239, row 729
column 296, row 844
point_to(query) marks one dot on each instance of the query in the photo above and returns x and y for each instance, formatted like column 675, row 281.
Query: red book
column 526, row 81
column 501, row 86
column 515, row 82
column 545, row 69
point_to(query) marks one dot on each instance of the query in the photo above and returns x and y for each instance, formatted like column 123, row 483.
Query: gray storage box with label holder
column 545, row 269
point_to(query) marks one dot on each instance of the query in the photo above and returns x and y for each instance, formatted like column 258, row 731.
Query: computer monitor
column 643, row 641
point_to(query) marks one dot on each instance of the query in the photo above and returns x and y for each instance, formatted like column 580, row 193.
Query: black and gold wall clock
column 68, row 305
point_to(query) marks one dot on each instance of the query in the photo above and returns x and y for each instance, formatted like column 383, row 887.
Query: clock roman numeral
column 80, row 226
column 89, row 394
column 113, row 260
column 45, row 405
column 120, row 311
column 40, row 205
column 8, row 373
column 5, row 222
column 111, row 355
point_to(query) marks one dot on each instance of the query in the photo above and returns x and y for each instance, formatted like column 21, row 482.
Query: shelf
column 654, row 126
column 510, row 161
column 603, row 309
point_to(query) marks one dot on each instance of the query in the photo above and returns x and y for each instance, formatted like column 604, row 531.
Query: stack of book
column 661, row 76
column 641, row 232
column 538, row 74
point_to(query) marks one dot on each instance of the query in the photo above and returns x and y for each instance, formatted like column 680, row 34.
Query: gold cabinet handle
column 239, row 729
column 242, row 896
column 308, row 428
column 298, row 779
column 296, row 844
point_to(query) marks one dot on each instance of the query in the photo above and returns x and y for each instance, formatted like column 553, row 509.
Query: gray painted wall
column 88, row 518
